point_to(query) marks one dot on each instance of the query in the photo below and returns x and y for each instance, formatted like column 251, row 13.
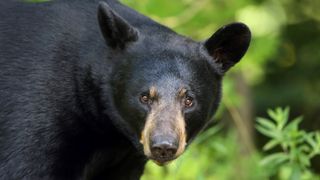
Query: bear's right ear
column 116, row 31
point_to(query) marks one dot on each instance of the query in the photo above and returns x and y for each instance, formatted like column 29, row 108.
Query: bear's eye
column 144, row 98
column 188, row 101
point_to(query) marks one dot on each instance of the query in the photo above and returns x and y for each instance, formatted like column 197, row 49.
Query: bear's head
column 166, row 87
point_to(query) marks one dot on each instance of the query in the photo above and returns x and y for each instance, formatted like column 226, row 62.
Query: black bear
column 92, row 90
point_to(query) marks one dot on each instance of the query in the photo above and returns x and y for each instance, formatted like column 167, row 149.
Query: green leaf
column 295, row 173
column 271, row 144
column 284, row 114
column 304, row 160
column 293, row 126
column 309, row 138
column 266, row 123
column 305, row 148
column 274, row 159
column 318, row 139
column 273, row 115
column 266, row 132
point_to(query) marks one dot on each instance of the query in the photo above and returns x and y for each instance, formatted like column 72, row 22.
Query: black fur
column 68, row 91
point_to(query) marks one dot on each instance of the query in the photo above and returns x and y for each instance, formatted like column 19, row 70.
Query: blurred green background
column 281, row 68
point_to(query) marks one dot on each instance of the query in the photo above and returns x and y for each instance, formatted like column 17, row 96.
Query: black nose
column 164, row 149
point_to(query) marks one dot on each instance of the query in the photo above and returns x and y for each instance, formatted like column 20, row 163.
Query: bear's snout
column 163, row 148
column 164, row 134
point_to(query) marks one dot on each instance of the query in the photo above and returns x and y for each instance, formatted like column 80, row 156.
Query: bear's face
column 166, row 97
column 165, row 87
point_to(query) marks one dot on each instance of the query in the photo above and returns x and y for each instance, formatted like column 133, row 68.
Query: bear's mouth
column 162, row 161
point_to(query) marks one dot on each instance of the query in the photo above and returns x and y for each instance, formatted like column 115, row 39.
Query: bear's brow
column 153, row 92
column 182, row 92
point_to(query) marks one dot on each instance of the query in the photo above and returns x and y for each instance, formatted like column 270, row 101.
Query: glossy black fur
column 69, row 93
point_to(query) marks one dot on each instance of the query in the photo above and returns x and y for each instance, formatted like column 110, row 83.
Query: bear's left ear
column 229, row 44
column 116, row 31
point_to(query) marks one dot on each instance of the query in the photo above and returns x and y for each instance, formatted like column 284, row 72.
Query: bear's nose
column 164, row 149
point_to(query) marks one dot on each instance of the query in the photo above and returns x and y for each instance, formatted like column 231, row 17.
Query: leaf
column 274, row 159
column 273, row 115
column 266, row 132
column 318, row 139
column 284, row 117
column 309, row 138
column 293, row 126
column 295, row 173
column 304, row 160
column 313, row 141
column 271, row 144
column 266, row 123
column 305, row 148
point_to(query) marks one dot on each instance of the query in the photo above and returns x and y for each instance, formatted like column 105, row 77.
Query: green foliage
column 297, row 147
